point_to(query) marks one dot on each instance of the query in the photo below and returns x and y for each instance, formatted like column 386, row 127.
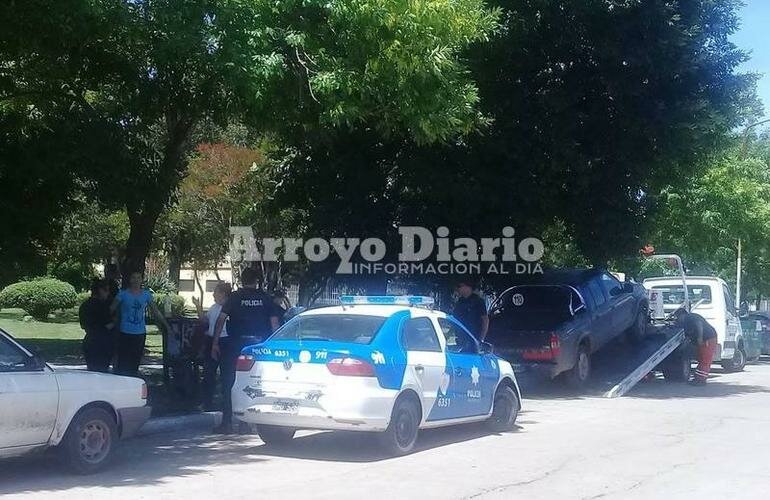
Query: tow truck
column 664, row 348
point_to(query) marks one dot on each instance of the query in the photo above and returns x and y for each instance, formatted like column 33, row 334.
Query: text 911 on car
column 383, row 364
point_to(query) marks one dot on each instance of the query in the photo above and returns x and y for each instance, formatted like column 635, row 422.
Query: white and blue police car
column 383, row 364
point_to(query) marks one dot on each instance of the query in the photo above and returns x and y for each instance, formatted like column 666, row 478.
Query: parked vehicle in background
column 82, row 414
column 710, row 297
column 761, row 321
column 756, row 335
column 556, row 323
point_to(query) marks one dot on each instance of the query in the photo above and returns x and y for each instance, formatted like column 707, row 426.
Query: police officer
column 251, row 316
column 470, row 310
column 704, row 337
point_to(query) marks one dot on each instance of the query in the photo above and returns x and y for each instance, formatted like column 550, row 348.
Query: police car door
column 468, row 391
column 425, row 361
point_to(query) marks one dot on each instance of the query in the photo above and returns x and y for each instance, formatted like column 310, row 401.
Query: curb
column 197, row 421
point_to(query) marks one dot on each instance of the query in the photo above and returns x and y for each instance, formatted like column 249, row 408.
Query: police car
column 385, row 364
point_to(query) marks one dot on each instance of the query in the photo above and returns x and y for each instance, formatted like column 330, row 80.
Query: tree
column 729, row 201
column 90, row 235
column 141, row 75
column 196, row 228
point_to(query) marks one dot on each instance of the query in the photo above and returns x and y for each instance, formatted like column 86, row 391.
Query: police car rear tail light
column 350, row 367
column 244, row 363
column 398, row 300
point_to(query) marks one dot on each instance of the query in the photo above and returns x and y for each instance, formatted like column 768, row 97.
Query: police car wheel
column 400, row 436
column 274, row 435
column 504, row 411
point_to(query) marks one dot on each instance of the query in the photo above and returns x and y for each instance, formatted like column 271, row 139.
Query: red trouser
column 705, row 356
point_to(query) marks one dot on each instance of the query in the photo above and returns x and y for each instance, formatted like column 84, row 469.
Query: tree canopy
column 136, row 77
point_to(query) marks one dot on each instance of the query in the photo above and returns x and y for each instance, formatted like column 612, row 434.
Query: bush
column 82, row 297
column 39, row 296
column 178, row 304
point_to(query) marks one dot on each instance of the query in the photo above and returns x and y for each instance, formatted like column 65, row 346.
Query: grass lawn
column 59, row 339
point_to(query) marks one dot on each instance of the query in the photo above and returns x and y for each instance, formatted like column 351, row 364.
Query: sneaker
column 698, row 381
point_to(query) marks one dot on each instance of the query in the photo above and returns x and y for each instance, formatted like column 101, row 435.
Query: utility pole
column 744, row 150
column 738, row 278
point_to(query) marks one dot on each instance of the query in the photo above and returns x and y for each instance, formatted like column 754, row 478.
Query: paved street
column 663, row 440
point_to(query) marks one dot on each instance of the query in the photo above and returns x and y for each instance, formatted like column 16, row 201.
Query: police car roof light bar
column 389, row 300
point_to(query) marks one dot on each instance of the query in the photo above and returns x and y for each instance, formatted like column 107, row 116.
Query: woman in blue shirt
column 131, row 304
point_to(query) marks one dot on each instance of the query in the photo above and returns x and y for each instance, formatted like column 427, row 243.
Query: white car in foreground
column 378, row 364
column 83, row 414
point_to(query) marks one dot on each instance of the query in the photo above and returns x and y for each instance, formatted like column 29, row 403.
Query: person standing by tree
column 222, row 293
column 96, row 319
column 131, row 303
column 470, row 310
column 251, row 316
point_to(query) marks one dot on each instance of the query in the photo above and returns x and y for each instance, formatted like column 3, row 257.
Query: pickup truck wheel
column 401, row 435
column 638, row 330
column 505, row 409
column 737, row 364
column 90, row 440
column 677, row 367
column 578, row 376
column 274, row 435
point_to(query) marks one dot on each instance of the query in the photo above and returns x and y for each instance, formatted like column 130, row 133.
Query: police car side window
column 458, row 341
column 418, row 334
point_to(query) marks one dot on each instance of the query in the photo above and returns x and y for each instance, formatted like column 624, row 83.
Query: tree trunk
column 141, row 228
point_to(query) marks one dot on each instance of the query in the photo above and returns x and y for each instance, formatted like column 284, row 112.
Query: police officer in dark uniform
column 251, row 316
column 470, row 310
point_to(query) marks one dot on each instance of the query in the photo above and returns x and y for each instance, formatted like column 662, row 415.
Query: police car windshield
column 347, row 328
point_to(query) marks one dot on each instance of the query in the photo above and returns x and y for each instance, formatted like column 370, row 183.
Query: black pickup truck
column 555, row 323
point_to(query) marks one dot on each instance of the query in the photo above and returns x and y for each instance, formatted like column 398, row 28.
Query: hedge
column 39, row 296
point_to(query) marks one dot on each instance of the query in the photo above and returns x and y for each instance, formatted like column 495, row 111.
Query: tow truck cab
column 710, row 297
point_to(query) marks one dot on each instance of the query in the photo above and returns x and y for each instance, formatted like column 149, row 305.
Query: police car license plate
column 286, row 406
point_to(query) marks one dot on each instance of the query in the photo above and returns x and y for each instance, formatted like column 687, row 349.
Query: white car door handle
column 419, row 369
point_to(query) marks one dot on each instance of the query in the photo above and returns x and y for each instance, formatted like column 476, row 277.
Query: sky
column 754, row 36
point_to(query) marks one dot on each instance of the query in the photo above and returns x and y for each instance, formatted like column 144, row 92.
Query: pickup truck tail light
column 555, row 346
column 244, row 363
column 144, row 391
column 350, row 367
column 545, row 353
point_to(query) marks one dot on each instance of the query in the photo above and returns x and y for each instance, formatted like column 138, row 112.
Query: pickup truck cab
column 710, row 297
column 82, row 414
column 554, row 325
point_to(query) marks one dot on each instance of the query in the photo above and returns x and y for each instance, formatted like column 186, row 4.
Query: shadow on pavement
column 139, row 462
column 358, row 447
column 149, row 460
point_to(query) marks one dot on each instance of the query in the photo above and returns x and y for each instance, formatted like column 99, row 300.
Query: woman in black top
column 96, row 320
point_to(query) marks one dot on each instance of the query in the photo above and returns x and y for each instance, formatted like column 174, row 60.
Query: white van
column 710, row 297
